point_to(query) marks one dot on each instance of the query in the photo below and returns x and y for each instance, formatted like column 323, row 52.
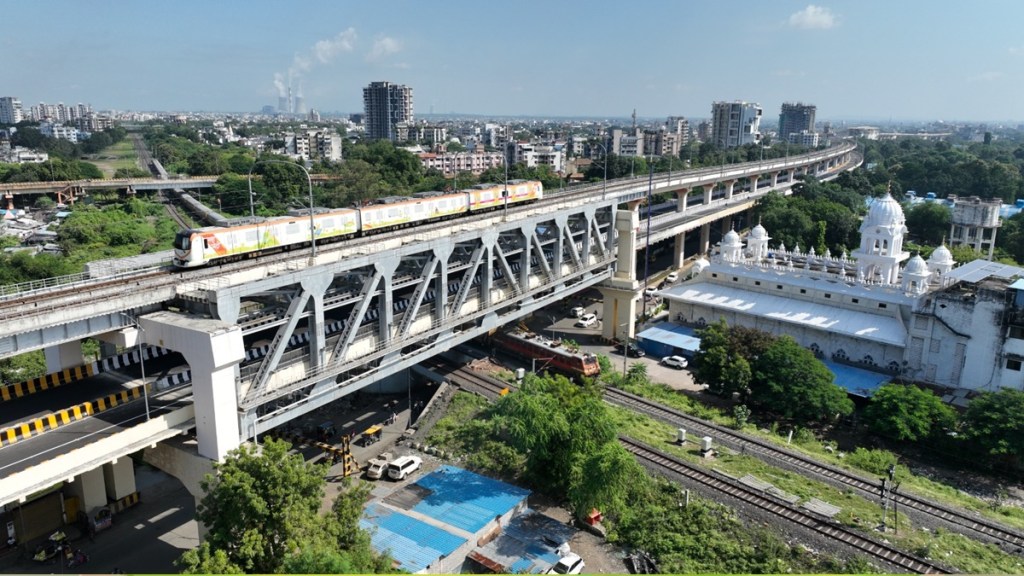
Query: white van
column 586, row 321
column 403, row 466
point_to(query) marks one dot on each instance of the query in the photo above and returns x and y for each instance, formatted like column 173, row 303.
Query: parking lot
column 558, row 321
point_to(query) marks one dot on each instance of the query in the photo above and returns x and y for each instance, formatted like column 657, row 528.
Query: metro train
column 249, row 237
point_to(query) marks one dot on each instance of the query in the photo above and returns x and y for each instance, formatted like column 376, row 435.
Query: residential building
column 704, row 131
column 804, row 138
column 925, row 321
column 385, row 106
column 533, row 155
column 59, row 131
column 735, row 123
column 451, row 163
column 314, row 145
column 10, row 110
column 625, row 143
column 796, row 117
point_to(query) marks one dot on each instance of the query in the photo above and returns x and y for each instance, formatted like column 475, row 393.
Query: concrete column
column 729, row 188
column 119, row 478
column 88, row 487
column 618, row 319
column 775, row 179
column 524, row 256
column 705, row 239
column 681, row 196
column 678, row 257
column 753, row 183
column 213, row 350
column 317, row 285
column 707, row 194
column 626, row 224
column 61, row 356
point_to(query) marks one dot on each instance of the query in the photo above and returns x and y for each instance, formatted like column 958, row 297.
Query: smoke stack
column 282, row 104
column 290, row 107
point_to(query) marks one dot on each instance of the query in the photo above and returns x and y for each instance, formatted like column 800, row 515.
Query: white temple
column 880, row 309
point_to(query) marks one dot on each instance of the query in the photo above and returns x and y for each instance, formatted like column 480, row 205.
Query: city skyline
column 869, row 60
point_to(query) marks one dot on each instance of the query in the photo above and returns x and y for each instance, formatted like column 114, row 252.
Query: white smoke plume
column 324, row 51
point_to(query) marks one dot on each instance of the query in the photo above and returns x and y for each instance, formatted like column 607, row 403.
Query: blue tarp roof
column 855, row 380
column 672, row 334
column 466, row 500
column 413, row 543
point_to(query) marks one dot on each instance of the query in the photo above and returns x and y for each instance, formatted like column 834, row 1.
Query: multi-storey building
column 385, row 106
column 59, row 131
column 925, row 321
column 704, row 131
column 314, row 145
column 681, row 126
column 804, row 138
column 975, row 222
column 533, row 155
column 451, row 163
column 735, row 123
column 662, row 142
column 796, row 118
column 625, row 143
column 10, row 110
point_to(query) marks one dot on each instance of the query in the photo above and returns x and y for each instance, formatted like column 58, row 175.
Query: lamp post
column 142, row 360
column 309, row 181
column 647, row 247
column 604, row 185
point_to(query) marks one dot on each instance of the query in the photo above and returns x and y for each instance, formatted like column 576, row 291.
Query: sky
column 913, row 60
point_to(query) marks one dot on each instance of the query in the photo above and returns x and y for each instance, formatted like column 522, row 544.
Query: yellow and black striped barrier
column 64, row 417
column 125, row 503
column 343, row 453
column 66, row 376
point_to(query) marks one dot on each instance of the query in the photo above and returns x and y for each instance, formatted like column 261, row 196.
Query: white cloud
column 813, row 18
column 382, row 47
column 326, row 50
column 1016, row 50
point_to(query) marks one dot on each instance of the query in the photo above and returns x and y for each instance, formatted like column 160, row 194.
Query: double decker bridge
column 268, row 340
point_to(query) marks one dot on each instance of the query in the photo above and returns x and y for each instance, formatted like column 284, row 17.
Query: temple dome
column 885, row 212
column 941, row 257
column 731, row 238
column 758, row 233
column 916, row 266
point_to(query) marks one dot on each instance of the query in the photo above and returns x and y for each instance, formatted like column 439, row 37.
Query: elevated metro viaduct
column 366, row 308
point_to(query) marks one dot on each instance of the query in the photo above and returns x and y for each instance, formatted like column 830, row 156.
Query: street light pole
column 647, row 248
column 142, row 360
column 309, row 182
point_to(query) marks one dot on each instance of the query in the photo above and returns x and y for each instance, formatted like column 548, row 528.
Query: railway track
column 750, row 496
column 1009, row 539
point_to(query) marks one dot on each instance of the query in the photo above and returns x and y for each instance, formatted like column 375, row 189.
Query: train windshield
column 181, row 240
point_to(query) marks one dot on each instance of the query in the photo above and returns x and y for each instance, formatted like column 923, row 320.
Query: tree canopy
column 261, row 509
column 995, row 422
column 791, row 382
column 906, row 412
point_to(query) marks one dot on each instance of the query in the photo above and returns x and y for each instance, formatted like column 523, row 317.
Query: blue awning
column 675, row 335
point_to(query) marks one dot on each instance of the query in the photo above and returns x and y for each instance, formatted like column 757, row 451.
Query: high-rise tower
column 795, row 118
column 735, row 123
column 10, row 110
column 386, row 105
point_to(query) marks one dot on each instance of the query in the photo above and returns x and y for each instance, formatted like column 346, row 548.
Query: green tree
column 906, row 412
column 995, row 422
column 790, row 381
column 929, row 221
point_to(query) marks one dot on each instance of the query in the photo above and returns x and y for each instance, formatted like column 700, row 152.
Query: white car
column 401, row 467
column 672, row 277
column 577, row 312
column 677, row 362
column 586, row 321
column 571, row 563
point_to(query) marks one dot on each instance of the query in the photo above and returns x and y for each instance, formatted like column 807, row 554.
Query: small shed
column 668, row 338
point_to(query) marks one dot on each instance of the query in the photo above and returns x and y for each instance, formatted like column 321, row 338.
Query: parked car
column 586, row 321
column 571, row 563
column 402, row 466
column 672, row 277
column 577, row 312
column 631, row 350
column 378, row 466
column 677, row 362
column 650, row 290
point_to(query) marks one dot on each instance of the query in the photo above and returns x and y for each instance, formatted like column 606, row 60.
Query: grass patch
column 957, row 551
column 805, row 441
column 120, row 155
